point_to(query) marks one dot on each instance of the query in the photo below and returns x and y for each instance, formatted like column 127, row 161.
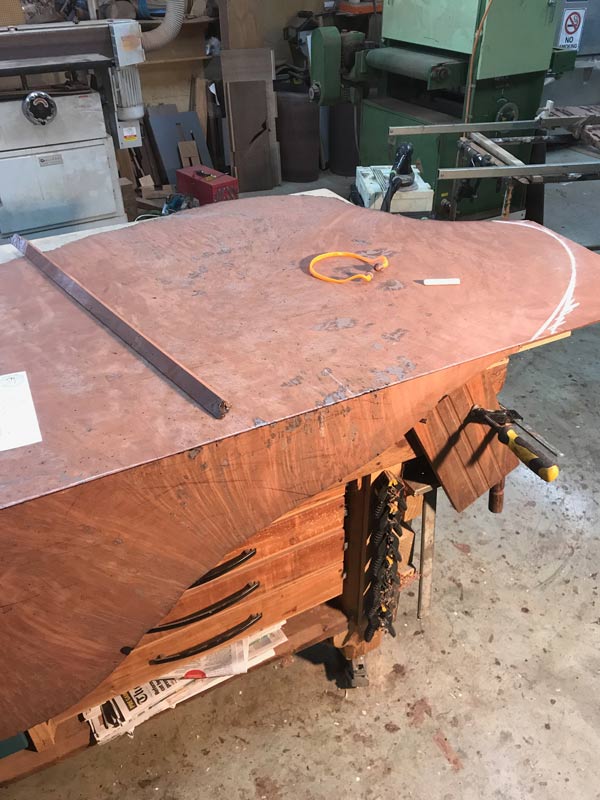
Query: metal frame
column 56, row 41
column 501, row 163
column 526, row 171
column 547, row 123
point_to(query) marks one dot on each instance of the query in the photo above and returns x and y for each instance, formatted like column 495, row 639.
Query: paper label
column 130, row 134
column 131, row 42
column 18, row 421
column 53, row 160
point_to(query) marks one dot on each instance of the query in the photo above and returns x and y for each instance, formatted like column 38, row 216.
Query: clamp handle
column 537, row 462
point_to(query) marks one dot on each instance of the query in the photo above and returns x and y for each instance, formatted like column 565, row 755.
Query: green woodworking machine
column 441, row 62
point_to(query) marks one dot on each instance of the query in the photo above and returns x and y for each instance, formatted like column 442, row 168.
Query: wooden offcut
column 11, row 12
column 199, row 100
column 188, row 152
column 247, row 106
column 129, row 198
column 43, row 736
column 239, row 25
column 249, row 135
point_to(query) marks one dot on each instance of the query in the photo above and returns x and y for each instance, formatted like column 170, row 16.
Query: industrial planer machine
column 439, row 62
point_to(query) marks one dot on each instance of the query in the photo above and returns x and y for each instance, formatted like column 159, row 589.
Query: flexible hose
column 168, row 29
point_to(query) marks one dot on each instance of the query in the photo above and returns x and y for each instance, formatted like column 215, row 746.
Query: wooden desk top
column 225, row 289
column 135, row 491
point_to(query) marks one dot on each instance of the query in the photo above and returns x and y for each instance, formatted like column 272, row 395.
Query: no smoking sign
column 572, row 28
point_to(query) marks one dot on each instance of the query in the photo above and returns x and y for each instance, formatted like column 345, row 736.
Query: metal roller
column 416, row 64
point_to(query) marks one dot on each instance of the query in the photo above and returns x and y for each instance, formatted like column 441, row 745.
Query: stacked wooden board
column 251, row 108
column 284, row 570
column 589, row 134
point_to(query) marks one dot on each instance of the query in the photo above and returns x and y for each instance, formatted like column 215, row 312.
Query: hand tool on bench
column 401, row 174
column 504, row 422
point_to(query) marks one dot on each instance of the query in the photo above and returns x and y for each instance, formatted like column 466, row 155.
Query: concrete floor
column 493, row 696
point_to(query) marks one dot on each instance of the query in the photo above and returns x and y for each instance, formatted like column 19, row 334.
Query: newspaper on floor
column 123, row 713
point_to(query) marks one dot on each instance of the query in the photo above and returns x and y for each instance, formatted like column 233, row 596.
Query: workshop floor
column 493, row 696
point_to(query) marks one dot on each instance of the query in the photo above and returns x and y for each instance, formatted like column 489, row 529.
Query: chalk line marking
column 567, row 303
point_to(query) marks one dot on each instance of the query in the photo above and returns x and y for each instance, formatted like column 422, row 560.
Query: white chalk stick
column 441, row 281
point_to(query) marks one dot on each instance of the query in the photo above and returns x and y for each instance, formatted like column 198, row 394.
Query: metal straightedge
column 161, row 360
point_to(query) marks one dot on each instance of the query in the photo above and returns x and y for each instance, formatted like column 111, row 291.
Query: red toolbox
column 207, row 185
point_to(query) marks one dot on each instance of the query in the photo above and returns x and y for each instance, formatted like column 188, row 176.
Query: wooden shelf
column 175, row 60
column 188, row 46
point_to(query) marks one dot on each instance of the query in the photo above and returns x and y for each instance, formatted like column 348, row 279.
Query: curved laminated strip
column 135, row 491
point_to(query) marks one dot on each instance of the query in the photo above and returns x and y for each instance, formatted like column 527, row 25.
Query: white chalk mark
column 441, row 282
column 567, row 303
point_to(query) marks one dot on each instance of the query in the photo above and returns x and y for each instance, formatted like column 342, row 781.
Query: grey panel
column 166, row 131
column 79, row 118
column 42, row 190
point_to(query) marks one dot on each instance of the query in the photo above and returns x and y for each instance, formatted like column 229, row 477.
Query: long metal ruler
column 166, row 364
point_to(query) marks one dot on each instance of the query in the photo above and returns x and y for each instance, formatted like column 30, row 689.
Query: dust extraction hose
column 168, row 29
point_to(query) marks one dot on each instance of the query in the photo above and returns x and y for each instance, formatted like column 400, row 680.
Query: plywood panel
column 239, row 24
column 260, row 23
column 11, row 12
column 254, row 64
column 172, row 85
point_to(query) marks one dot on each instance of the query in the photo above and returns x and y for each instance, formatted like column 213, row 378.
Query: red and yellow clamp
column 378, row 264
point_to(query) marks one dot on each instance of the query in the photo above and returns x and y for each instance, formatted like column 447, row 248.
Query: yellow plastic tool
column 378, row 264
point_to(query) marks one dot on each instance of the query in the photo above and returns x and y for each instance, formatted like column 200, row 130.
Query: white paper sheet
column 18, row 421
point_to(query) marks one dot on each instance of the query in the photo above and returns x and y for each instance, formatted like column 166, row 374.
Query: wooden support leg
column 358, row 502
column 496, row 498
column 426, row 558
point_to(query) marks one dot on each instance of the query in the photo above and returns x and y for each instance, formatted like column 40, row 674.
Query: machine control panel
column 39, row 108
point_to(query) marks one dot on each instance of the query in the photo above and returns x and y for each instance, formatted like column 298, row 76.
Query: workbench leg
column 426, row 556
column 356, row 674
column 496, row 498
